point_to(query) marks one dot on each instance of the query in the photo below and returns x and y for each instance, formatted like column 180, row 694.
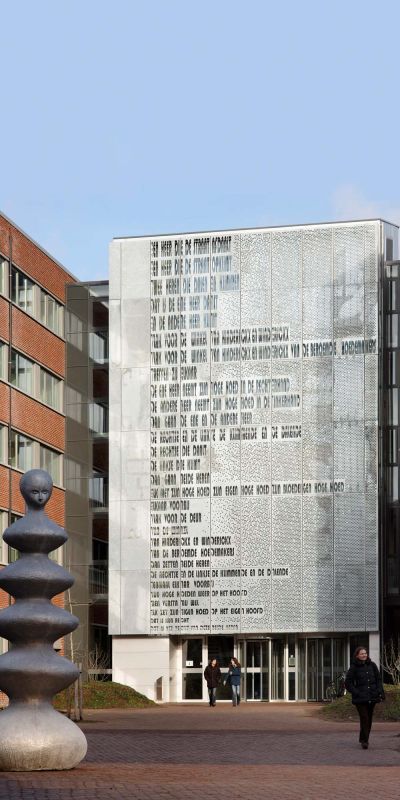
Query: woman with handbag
column 364, row 682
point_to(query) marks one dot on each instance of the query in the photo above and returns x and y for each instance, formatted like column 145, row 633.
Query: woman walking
column 364, row 682
column 233, row 677
column 212, row 674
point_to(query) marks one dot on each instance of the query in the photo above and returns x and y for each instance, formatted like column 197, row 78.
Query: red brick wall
column 4, row 402
column 37, row 420
column 55, row 507
column 37, row 342
column 31, row 338
column 4, row 306
column 33, row 261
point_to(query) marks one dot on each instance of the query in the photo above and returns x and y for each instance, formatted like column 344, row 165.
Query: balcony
column 98, row 492
column 98, row 580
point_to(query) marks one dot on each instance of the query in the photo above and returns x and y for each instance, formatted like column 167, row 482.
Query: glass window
column 3, row 443
column 21, row 372
column 21, row 451
column 22, row 290
column 393, row 330
column 393, row 407
column 98, row 418
column 50, row 389
column 392, row 446
column 3, row 361
column 4, row 276
column 393, row 484
column 394, row 367
column 51, row 313
column 74, row 402
column 3, row 545
column 98, row 490
column 50, row 460
column 13, row 554
column 74, row 329
column 98, row 347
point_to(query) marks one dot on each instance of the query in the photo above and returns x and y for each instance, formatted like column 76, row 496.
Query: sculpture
column 33, row 735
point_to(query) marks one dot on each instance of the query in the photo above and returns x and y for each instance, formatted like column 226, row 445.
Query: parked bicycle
column 337, row 687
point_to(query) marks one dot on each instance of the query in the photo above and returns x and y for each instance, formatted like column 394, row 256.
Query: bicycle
column 337, row 687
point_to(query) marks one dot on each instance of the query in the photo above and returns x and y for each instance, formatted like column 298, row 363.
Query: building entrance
column 263, row 669
column 320, row 661
column 257, row 670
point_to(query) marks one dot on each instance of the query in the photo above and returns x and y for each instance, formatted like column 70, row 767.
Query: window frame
column 4, row 273
column 41, row 302
column 15, row 354
column 37, row 449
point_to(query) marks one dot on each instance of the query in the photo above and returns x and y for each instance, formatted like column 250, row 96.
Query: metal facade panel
column 262, row 405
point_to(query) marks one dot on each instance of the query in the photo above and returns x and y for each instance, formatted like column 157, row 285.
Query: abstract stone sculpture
column 33, row 735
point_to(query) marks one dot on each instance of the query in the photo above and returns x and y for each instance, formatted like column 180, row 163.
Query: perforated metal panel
column 262, row 417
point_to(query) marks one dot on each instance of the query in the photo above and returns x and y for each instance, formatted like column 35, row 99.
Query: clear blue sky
column 128, row 118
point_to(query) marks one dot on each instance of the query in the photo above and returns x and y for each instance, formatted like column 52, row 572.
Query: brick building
column 32, row 368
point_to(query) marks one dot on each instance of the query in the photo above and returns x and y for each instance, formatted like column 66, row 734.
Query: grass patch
column 105, row 694
column 342, row 709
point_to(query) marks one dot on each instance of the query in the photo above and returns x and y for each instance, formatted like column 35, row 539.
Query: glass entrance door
column 325, row 659
column 277, row 669
column 257, row 670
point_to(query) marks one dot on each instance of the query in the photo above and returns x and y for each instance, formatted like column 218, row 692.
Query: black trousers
column 365, row 711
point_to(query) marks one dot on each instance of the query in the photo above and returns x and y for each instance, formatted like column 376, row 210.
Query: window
column 98, row 418
column 98, row 347
column 34, row 379
column 4, row 276
column 389, row 249
column 22, row 291
column 50, row 389
column 21, row 372
column 21, row 451
column 98, row 490
column 3, row 361
column 12, row 553
column 3, row 545
column 50, row 460
column 74, row 402
column 51, row 313
column 3, row 443
column 33, row 299
column 74, row 329
column 74, row 477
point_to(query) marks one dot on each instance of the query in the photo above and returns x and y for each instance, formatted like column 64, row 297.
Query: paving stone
column 276, row 751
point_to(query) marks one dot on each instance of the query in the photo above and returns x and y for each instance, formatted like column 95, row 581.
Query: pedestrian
column 212, row 674
column 364, row 682
column 233, row 677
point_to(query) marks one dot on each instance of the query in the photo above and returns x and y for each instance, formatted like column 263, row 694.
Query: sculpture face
column 36, row 487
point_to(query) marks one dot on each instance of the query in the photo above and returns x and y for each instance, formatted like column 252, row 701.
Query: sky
column 129, row 118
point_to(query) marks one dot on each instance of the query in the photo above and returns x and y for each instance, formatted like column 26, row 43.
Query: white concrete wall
column 139, row 662
column 374, row 653
column 129, row 468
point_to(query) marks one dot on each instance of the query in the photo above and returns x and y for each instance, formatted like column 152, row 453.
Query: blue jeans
column 212, row 693
column 235, row 695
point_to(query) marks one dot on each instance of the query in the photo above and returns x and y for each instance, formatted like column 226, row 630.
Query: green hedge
column 343, row 709
column 105, row 694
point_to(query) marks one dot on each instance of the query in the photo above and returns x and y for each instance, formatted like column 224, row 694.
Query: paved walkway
column 254, row 752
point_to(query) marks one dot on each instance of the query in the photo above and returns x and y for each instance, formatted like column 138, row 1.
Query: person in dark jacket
column 212, row 674
column 233, row 677
column 364, row 682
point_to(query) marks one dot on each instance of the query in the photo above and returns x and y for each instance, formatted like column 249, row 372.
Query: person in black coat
column 212, row 674
column 364, row 682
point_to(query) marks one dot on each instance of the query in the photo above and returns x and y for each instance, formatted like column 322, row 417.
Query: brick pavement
column 255, row 752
